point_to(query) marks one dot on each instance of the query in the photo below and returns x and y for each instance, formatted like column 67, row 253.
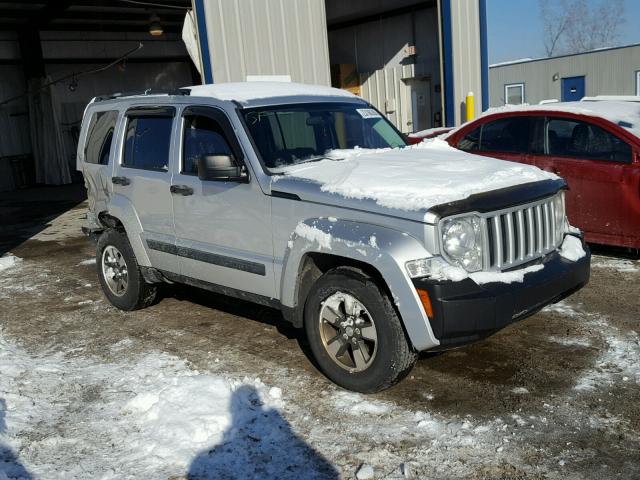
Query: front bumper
column 464, row 311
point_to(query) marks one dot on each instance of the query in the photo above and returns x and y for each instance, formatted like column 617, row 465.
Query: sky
column 515, row 29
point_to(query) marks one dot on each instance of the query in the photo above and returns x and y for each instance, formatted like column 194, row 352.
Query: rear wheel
column 355, row 333
column 119, row 273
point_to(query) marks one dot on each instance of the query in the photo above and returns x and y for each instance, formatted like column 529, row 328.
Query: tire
column 387, row 359
column 132, row 292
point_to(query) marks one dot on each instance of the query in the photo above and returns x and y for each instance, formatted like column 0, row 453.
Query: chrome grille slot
column 521, row 234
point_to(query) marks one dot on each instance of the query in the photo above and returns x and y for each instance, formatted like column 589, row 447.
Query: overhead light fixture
column 555, row 77
column 155, row 28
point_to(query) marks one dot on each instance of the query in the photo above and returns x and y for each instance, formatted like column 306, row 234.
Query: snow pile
column 89, row 261
column 143, row 417
column 515, row 276
column 245, row 92
column 413, row 178
column 572, row 249
column 353, row 403
column 9, row 260
column 314, row 234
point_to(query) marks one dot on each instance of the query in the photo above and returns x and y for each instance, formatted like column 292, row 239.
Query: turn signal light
column 426, row 302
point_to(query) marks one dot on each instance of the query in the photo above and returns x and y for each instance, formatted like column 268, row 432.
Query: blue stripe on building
column 204, row 41
column 484, row 55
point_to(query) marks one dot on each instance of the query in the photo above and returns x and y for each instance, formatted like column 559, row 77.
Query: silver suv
column 308, row 200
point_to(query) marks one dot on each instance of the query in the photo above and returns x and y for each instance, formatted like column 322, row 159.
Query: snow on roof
column 413, row 178
column 245, row 92
column 624, row 114
column 510, row 62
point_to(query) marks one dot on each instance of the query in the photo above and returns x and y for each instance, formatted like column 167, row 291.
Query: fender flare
column 382, row 248
column 121, row 208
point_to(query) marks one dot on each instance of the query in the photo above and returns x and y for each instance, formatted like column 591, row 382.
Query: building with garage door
column 567, row 78
column 415, row 60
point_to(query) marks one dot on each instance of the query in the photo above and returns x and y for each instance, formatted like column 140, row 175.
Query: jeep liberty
column 307, row 199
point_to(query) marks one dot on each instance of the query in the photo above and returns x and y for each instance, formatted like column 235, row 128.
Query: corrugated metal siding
column 382, row 86
column 268, row 37
column 607, row 72
column 465, row 33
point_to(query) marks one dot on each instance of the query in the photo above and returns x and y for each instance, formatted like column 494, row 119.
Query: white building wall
column 268, row 37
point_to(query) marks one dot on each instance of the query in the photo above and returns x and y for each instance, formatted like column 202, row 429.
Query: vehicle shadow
column 241, row 308
column 259, row 443
column 233, row 306
column 616, row 252
column 10, row 467
column 25, row 213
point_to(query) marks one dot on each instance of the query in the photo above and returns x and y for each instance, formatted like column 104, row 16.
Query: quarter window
column 202, row 136
column 471, row 141
column 514, row 94
column 147, row 142
column 100, row 137
column 577, row 139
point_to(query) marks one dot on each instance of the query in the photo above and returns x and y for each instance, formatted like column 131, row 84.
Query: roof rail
column 147, row 92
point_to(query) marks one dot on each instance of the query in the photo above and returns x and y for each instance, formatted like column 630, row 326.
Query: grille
column 521, row 234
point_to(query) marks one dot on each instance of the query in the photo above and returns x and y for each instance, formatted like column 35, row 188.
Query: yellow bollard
column 471, row 110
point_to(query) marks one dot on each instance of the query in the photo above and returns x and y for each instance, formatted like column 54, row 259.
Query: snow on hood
column 415, row 177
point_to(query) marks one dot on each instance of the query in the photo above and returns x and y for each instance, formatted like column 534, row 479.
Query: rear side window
column 202, row 136
column 582, row 140
column 147, row 142
column 506, row 135
column 100, row 137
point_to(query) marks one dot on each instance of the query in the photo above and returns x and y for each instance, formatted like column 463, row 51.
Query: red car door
column 603, row 176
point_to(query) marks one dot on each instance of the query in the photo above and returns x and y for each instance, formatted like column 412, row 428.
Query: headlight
column 560, row 218
column 462, row 241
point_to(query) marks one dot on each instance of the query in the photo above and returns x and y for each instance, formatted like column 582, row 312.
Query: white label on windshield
column 368, row 113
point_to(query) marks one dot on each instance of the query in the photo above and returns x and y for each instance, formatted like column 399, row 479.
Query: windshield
column 291, row 134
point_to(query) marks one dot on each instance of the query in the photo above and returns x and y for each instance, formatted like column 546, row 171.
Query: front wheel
column 355, row 334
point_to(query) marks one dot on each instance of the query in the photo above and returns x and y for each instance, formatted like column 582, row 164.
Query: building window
column 514, row 94
column 638, row 83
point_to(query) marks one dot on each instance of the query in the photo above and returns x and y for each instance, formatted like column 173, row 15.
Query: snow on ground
column 413, row 178
column 619, row 360
column 8, row 261
column 618, row 264
column 147, row 416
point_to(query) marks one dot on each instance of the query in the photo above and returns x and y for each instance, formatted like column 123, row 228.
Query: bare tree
column 572, row 26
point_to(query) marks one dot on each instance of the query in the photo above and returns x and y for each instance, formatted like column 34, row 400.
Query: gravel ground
column 554, row 396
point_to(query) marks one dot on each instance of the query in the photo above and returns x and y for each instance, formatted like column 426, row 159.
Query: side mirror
column 221, row 168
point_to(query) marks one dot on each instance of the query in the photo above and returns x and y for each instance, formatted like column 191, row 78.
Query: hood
column 403, row 182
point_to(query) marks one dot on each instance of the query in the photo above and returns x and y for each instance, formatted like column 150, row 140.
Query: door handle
column 120, row 181
column 183, row 190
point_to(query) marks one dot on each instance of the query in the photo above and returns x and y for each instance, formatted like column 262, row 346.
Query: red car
column 594, row 146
